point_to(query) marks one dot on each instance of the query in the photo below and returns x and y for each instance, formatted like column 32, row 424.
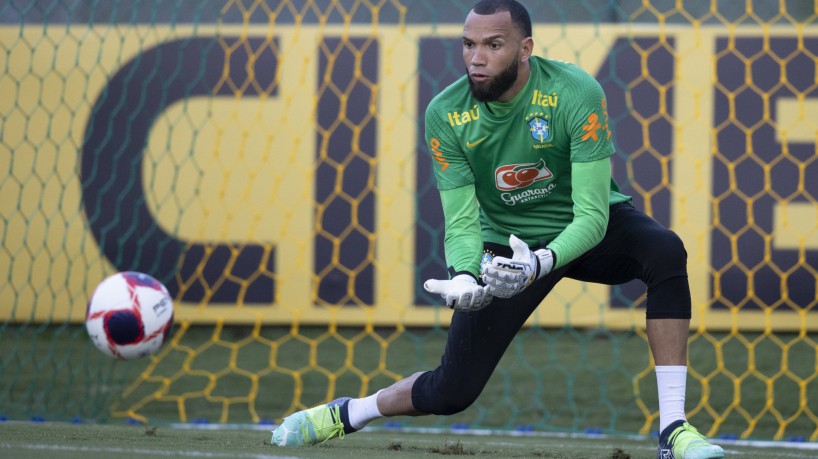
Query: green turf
column 71, row 441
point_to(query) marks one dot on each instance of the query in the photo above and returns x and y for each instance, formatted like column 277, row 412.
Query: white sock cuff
column 375, row 403
column 671, row 369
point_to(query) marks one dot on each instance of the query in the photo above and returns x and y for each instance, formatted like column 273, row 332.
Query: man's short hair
column 519, row 15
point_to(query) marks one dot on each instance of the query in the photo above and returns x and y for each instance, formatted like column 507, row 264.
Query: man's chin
column 481, row 92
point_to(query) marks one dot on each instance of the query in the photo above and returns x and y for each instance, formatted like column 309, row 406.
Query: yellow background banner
column 241, row 170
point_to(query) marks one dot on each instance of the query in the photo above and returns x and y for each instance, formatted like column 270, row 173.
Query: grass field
column 72, row 441
column 549, row 380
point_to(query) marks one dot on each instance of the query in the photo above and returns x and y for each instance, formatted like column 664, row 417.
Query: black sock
column 343, row 404
column 665, row 434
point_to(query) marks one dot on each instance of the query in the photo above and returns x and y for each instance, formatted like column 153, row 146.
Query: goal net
column 265, row 161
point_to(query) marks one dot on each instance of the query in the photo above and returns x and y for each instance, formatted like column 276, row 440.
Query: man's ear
column 526, row 49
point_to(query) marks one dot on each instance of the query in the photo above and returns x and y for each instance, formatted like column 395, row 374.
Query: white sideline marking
column 141, row 451
column 217, row 426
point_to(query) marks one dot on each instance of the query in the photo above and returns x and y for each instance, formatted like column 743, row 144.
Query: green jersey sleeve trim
column 462, row 244
column 591, row 187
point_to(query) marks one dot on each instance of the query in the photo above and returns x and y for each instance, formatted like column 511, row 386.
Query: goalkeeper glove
column 461, row 292
column 506, row 277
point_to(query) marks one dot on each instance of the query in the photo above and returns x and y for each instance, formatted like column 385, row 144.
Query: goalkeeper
column 521, row 148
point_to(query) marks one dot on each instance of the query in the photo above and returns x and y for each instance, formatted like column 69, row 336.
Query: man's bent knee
column 666, row 278
column 434, row 394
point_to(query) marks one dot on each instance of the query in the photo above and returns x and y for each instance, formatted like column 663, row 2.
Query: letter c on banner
column 111, row 167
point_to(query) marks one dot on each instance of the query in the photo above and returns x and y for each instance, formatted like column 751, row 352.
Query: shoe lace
column 331, row 429
column 337, row 427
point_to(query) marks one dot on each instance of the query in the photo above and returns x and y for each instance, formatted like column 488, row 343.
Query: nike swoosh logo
column 476, row 142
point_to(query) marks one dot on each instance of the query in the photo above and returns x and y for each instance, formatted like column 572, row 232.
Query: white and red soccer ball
column 130, row 315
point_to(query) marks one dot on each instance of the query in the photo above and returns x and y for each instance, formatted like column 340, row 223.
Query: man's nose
column 478, row 57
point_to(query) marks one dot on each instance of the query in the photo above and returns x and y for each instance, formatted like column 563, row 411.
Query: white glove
column 461, row 292
column 506, row 277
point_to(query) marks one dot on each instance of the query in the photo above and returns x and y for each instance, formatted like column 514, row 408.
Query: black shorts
column 635, row 246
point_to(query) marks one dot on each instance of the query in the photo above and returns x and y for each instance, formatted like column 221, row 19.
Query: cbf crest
column 539, row 129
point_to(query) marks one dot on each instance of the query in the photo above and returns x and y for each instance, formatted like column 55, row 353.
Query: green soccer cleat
column 313, row 426
column 681, row 440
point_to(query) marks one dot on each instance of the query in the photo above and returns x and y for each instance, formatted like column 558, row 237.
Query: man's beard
column 496, row 87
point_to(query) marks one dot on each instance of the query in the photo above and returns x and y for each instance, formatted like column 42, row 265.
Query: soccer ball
column 130, row 315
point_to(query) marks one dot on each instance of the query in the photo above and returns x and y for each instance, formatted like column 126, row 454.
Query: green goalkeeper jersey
column 519, row 157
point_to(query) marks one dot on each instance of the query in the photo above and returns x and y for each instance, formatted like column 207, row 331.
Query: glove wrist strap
column 545, row 261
